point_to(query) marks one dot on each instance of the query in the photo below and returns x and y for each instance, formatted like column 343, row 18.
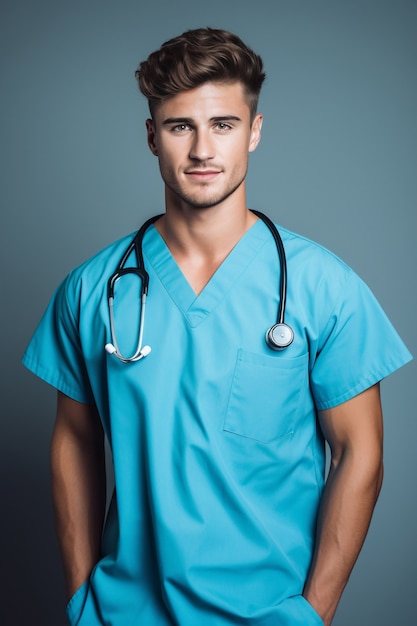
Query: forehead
column 209, row 100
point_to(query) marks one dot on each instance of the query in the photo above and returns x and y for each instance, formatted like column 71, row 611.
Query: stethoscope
column 278, row 337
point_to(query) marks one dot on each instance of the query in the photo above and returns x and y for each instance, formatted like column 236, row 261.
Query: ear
column 150, row 129
column 255, row 136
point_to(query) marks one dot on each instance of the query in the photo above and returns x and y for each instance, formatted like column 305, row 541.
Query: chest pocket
column 265, row 396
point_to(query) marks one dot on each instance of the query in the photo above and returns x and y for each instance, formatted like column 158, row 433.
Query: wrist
column 75, row 578
column 324, row 609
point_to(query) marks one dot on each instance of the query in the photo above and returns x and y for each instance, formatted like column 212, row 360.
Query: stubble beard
column 194, row 202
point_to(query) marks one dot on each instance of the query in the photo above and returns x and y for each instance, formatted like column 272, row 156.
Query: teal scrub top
column 218, row 458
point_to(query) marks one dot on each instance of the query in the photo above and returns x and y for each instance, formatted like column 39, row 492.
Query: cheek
column 239, row 162
column 237, row 152
column 169, row 165
column 172, row 155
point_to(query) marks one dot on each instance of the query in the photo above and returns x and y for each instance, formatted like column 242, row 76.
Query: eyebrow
column 189, row 120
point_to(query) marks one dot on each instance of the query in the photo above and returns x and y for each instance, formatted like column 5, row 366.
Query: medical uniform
column 218, row 457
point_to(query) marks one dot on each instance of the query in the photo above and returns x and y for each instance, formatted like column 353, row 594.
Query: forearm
column 78, row 491
column 348, row 501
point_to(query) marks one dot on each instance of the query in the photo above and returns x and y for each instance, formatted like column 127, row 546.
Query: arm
column 354, row 433
column 78, row 487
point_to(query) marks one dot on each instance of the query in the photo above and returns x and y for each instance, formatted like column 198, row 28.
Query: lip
column 203, row 175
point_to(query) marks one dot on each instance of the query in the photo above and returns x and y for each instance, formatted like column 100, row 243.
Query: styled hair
column 197, row 57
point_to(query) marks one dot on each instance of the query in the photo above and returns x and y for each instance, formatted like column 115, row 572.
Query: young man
column 220, row 514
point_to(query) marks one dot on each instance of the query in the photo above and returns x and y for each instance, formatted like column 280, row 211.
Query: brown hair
column 196, row 57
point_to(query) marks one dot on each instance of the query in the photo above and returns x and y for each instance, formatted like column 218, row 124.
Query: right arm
column 78, row 487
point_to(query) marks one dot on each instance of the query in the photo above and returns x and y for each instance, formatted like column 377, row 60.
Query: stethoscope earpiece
column 279, row 336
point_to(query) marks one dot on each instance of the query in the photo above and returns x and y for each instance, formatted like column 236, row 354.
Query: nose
column 202, row 147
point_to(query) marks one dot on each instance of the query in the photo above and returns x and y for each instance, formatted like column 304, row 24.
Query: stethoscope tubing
column 278, row 337
column 282, row 264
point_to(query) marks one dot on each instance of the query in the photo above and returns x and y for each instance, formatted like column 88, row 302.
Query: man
column 220, row 514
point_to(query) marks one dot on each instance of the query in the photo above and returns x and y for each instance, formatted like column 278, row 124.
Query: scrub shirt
column 218, row 457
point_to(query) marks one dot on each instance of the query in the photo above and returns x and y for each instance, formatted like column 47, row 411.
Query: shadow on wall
column 32, row 586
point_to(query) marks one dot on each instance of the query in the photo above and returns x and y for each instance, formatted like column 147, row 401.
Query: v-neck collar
column 197, row 307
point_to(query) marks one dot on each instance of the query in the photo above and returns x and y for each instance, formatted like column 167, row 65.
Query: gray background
column 337, row 163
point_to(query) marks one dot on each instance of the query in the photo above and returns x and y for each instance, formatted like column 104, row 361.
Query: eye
column 223, row 126
column 180, row 128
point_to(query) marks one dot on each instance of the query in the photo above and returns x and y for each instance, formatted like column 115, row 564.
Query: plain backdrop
column 337, row 163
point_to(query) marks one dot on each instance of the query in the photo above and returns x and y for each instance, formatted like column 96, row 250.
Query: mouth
column 202, row 175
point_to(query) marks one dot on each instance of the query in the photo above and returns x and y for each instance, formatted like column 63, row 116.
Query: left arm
column 355, row 435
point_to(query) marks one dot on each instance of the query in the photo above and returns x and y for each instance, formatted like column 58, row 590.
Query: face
column 202, row 138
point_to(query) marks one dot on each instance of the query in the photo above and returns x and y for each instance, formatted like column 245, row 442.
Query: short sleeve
column 359, row 348
column 54, row 352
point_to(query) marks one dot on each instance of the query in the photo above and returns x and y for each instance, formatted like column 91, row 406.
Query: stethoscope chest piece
column 279, row 336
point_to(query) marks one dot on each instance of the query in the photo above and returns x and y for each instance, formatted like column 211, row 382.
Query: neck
column 200, row 239
column 207, row 232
